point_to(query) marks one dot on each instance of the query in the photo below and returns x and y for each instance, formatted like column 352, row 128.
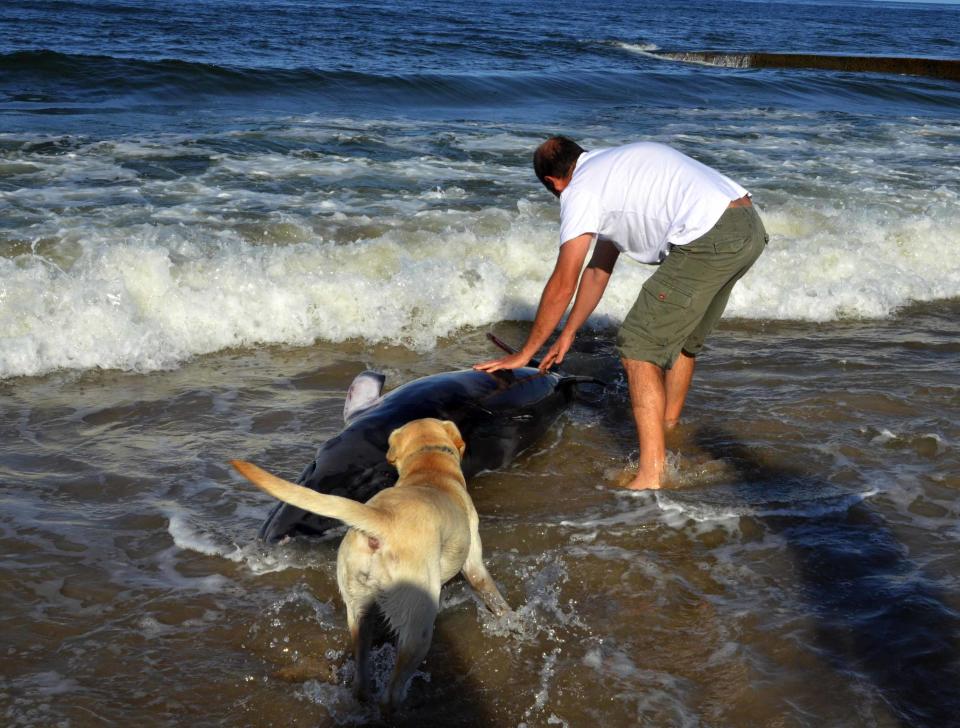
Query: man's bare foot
column 643, row 483
column 634, row 478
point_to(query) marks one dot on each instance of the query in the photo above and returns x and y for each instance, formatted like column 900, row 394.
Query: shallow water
column 213, row 215
column 800, row 570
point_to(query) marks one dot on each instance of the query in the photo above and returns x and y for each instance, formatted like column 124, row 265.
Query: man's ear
column 455, row 436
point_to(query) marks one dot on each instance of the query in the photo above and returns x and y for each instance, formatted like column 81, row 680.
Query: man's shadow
column 877, row 614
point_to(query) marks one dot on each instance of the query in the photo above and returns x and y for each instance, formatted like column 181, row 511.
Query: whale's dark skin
column 499, row 415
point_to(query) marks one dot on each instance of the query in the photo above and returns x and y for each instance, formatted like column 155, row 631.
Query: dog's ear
column 392, row 453
column 455, row 436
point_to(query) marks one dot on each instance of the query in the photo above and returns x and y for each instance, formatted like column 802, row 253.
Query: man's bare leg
column 648, row 401
column 656, row 398
column 677, row 384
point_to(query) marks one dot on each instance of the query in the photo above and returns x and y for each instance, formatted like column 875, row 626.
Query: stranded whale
column 499, row 415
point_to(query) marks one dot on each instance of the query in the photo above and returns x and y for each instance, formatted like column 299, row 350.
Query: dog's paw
column 516, row 624
column 363, row 692
column 391, row 699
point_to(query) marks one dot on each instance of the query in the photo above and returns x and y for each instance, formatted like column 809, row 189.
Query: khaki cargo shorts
column 683, row 300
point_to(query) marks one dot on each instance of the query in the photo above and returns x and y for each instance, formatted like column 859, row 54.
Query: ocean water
column 214, row 214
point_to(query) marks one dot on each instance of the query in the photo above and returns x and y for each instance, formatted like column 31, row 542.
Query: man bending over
column 657, row 206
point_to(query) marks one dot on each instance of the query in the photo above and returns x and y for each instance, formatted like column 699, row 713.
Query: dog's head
column 425, row 433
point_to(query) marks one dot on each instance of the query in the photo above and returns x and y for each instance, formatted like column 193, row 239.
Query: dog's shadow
column 877, row 615
column 443, row 691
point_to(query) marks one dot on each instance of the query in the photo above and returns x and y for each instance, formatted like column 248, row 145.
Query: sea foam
column 149, row 297
column 107, row 268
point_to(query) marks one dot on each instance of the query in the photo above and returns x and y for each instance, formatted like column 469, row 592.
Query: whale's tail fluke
column 357, row 515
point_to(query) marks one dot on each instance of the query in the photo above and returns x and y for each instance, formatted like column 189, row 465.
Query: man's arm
column 592, row 285
column 553, row 303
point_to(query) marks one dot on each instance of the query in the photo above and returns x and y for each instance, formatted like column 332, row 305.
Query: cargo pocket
column 666, row 310
column 666, row 294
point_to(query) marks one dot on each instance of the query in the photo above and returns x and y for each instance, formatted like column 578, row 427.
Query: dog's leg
column 479, row 578
column 411, row 651
column 362, row 624
column 411, row 611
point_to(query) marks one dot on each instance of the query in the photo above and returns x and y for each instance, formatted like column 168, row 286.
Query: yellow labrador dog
column 403, row 544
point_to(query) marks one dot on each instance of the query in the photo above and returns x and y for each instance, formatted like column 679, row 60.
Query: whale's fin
column 500, row 343
column 363, row 393
column 575, row 382
column 356, row 515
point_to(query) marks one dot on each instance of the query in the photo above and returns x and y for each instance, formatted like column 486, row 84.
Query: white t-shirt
column 643, row 197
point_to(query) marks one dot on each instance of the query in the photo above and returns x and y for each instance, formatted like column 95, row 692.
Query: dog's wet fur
column 403, row 544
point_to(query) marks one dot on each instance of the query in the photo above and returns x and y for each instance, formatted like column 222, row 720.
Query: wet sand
column 800, row 570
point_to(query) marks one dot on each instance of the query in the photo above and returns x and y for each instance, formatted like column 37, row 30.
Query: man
column 657, row 206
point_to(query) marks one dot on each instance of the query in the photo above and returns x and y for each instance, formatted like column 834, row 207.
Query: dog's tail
column 357, row 515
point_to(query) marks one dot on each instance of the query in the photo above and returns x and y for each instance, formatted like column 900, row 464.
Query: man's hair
column 555, row 158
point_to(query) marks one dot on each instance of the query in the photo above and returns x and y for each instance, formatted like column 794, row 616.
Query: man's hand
column 513, row 361
column 553, row 302
column 555, row 354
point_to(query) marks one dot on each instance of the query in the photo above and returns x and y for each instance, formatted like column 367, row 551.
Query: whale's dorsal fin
column 363, row 393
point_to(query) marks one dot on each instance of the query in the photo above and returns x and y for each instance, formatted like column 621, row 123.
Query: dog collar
column 438, row 448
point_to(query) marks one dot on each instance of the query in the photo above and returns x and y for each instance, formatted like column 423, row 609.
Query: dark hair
column 555, row 158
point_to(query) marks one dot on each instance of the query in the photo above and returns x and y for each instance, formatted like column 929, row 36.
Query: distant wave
column 932, row 67
column 45, row 76
column 109, row 73
column 48, row 82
